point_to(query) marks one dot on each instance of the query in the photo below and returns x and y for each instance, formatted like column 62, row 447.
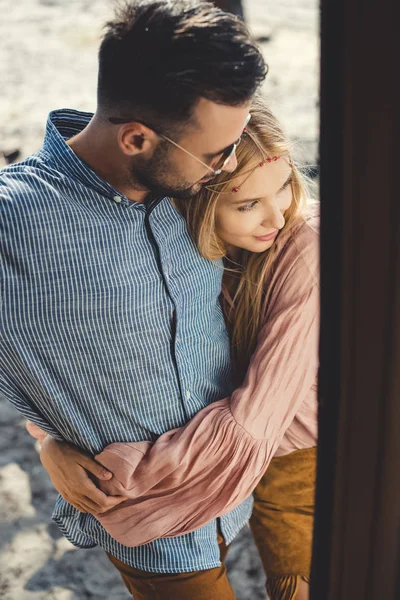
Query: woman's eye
column 247, row 207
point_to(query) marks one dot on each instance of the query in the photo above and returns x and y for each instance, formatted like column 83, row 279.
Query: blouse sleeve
column 196, row 473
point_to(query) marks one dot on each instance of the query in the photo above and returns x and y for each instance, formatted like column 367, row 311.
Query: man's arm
column 27, row 409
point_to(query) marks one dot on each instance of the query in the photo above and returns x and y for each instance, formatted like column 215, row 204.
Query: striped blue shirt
column 111, row 326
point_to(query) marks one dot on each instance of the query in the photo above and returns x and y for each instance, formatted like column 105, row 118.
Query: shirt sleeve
column 22, row 404
column 201, row 471
column 27, row 410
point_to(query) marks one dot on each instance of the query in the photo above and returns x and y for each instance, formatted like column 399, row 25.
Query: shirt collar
column 61, row 126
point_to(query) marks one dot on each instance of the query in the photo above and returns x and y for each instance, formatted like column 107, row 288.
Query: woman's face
column 252, row 217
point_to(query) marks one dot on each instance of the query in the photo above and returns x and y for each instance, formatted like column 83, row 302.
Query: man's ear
column 135, row 138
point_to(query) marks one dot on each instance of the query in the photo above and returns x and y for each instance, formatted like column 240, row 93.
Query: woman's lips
column 267, row 238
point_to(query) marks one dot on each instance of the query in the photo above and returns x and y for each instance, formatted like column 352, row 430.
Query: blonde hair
column 265, row 139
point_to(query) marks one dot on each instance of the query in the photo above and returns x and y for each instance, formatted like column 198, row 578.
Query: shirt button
column 117, row 199
column 187, row 395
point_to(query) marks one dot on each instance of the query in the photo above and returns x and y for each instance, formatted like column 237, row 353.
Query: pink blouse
column 201, row 471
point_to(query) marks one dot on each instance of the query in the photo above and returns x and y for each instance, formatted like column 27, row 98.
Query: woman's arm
column 205, row 469
column 193, row 474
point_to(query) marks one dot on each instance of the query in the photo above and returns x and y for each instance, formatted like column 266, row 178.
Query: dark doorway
column 357, row 534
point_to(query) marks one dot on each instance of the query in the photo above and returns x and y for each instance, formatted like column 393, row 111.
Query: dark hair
column 158, row 57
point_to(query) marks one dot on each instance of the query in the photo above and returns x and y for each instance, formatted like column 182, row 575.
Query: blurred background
column 48, row 60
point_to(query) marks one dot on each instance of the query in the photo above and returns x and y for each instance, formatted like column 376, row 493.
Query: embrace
column 160, row 310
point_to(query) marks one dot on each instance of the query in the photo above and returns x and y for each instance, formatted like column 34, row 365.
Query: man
column 110, row 325
column 233, row 6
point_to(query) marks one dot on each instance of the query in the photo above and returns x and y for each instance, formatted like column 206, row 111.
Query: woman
column 257, row 221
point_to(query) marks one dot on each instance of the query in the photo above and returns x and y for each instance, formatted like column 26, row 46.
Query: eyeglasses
column 222, row 162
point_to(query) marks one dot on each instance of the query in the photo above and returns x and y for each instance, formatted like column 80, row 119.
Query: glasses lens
column 226, row 156
column 230, row 151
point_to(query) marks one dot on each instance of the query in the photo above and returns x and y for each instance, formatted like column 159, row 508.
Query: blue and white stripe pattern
column 111, row 327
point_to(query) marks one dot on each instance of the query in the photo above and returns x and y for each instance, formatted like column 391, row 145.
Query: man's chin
column 187, row 193
column 161, row 191
column 158, row 189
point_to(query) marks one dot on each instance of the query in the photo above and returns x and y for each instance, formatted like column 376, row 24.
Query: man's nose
column 232, row 164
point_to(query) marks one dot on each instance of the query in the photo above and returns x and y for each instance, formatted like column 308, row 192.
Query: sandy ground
column 47, row 61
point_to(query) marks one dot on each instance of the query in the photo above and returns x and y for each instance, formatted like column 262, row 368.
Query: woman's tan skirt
column 282, row 521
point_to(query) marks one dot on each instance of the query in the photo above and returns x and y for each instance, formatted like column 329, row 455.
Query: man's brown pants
column 211, row 584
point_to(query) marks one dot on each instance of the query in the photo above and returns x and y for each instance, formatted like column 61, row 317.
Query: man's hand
column 69, row 470
column 35, row 431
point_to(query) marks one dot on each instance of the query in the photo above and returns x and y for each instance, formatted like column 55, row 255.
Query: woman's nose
column 274, row 218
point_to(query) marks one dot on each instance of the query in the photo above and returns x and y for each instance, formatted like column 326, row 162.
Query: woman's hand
column 69, row 471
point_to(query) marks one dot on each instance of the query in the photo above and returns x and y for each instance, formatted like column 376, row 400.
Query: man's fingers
column 35, row 431
column 95, row 468
column 112, row 501
column 91, row 506
column 100, row 499
column 86, row 504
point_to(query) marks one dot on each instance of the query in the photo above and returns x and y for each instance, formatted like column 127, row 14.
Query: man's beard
column 153, row 175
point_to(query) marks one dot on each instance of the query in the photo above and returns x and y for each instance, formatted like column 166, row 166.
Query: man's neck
column 94, row 147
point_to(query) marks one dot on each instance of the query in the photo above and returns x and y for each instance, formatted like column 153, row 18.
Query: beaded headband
column 264, row 161
column 235, row 189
